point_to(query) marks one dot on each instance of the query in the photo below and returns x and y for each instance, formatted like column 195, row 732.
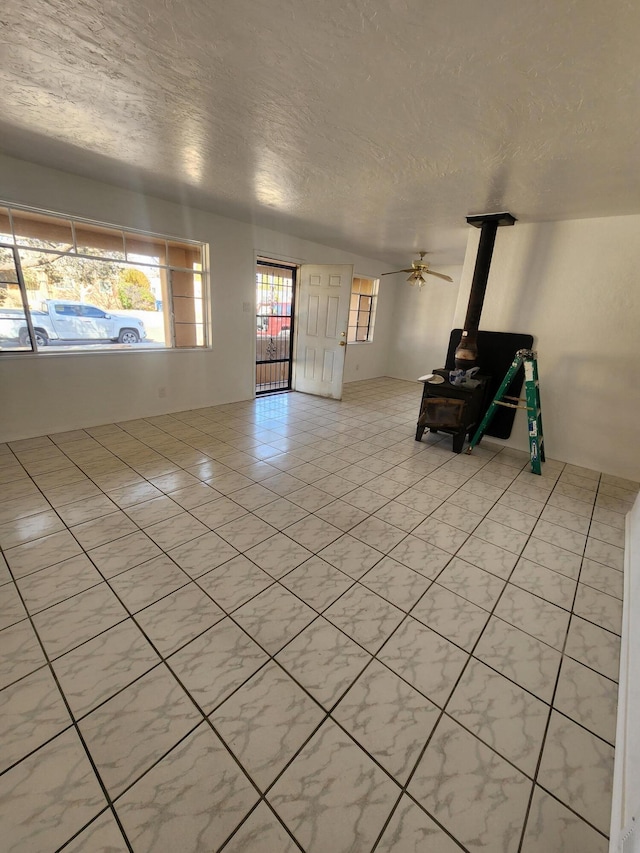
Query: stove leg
column 458, row 442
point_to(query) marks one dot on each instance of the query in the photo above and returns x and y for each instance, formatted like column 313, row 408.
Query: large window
column 67, row 284
column 362, row 313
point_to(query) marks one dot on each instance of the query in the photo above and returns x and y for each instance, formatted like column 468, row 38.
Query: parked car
column 11, row 323
column 64, row 320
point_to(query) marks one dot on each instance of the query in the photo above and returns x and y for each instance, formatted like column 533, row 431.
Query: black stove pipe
column 466, row 354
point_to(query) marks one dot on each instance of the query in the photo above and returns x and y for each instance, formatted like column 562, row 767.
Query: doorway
column 275, row 311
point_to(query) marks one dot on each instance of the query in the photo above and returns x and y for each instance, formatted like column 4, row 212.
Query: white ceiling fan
column 418, row 271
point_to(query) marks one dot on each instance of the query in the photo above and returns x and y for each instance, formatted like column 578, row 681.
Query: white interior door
column 322, row 317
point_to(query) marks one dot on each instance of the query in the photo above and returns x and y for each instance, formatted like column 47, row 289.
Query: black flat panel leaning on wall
column 495, row 354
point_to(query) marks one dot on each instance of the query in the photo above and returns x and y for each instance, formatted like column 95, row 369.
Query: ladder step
column 528, row 358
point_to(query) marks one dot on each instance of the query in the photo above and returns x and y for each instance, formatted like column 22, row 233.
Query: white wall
column 422, row 323
column 52, row 393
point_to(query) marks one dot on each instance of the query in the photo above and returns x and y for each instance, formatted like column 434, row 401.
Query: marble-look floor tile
column 28, row 528
column 176, row 531
column 278, row 555
column 324, row 661
column 390, row 719
column 552, row 828
column 552, row 557
column 560, row 536
column 246, row 532
column 378, row 534
column 411, row 830
column 179, row 618
column 570, row 504
column 41, row 553
column 512, row 518
column 607, row 533
column 528, row 506
column 609, row 517
column 457, row 516
column 308, row 497
column 577, row 767
column 130, row 551
column 137, row 493
column 217, row 662
column 456, row 618
column 441, row 534
column 423, row 557
column 534, row 615
column 351, row 556
column 594, row 647
column 273, row 617
column 94, row 671
column 601, row 552
column 202, row 554
column 333, row 796
column 78, row 619
column 602, row 577
column 435, row 488
column 107, row 528
column 365, row 617
column 564, row 518
column 400, row 516
column 234, row 583
column 313, row 533
column 507, row 718
column 424, row 659
column 262, row 832
column 144, row 584
column 598, row 607
column 191, row 800
column 218, row 512
column 529, row 662
column 101, row 836
column 281, row 513
column 588, row 698
column 31, row 712
column 472, row 791
column 397, row 583
column 151, row 512
column 419, row 501
column 501, row 535
column 317, row 583
column 131, row 731
column 49, row 796
column 472, row 583
column 266, row 721
column 11, row 607
column 52, row 585
column 552, row 586
column 488, row 556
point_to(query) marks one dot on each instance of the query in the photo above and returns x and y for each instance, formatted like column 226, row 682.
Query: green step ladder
column 532, row 407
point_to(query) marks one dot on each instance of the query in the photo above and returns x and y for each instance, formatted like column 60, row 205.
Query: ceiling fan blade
column 396, row 271
column 439, row 275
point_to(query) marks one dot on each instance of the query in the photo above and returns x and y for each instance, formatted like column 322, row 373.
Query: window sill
column 8, row 355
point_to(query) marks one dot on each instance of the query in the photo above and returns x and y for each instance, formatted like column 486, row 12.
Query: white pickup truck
column 64, row 320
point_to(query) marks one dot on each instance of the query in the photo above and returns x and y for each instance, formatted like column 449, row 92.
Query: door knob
column 343, row 343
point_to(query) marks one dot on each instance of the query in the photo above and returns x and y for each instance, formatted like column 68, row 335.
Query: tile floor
column 285, row 625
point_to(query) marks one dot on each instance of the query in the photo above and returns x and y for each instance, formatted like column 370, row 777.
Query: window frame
column 172, row 244
column 352, row 328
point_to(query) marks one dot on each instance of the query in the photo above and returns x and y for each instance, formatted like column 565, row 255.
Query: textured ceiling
column 373, row 125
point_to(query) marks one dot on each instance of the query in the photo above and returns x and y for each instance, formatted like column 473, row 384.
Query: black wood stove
column 453, row 408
